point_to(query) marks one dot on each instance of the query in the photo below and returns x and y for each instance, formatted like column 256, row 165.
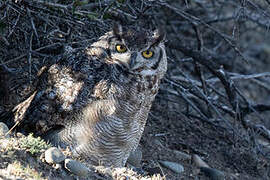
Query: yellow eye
column 121, row 48
column 147, row 54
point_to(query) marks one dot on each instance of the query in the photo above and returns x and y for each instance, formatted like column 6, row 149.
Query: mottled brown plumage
column 96, row 101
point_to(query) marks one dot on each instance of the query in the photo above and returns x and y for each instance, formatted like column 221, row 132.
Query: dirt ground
column 194, row 112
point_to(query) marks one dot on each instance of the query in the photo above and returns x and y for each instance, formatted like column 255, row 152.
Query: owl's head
column 136, row 50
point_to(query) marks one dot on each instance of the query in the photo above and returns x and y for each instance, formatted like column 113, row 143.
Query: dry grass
column 17, row 169
column 19, row 158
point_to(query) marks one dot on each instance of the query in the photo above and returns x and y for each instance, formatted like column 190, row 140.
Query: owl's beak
column 132, row 61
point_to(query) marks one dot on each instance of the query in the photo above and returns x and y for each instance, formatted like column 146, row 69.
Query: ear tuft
column 117, row 30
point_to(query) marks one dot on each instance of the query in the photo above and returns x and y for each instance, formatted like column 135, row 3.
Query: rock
column 103, row 170
column 42, row 157
column 57, row 166
column 76, row 167
column 198, row 161
column 135, row 157
column 182, row 155
column 264, row 142
column 175, row 167
column 54, row 155
column 3, row 129
column 212, row 173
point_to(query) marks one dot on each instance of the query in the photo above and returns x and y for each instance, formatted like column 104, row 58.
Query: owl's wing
column 63, row 89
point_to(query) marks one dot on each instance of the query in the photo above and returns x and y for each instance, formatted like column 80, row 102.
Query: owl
column 96, row 101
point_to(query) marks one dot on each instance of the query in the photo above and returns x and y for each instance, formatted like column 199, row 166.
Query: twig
column 235, row 76
column 208, row 62
column 198, row 67
column 33, row 25
column 49, row 46
column 36, row 50
column 192, row 18
column 50, row 4
column 189, row 102
column 14, row 25
column 204, row 98
column 29, row 59
column 257, row 107
column 262, row 84
column 12, row 60
column 20, row 110
column 161, row 170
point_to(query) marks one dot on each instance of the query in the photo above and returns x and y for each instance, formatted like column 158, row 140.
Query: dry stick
column 197, row 83
column 248, row 105
column 13, row 27
column 198, row 67
column 75, row 21
column 134, row 12
column 198, row 37
column 186, row 99
column 66, row 8
column 217, row 92
column 204, row 118
column 242, row 77
column 254, row 18
column 236, row 76
column 257, row 6
column 20, row 110
column 16, row 7
column 268, row 1
column 4, row 40
column 23, row 55
column 12, row 60
column 123, row 13
column 262, row 84
column 256, row 107
column 50, row 4
column 263, row 131
column 221, row 19
column 33, row 26
column 191, row 95
column 209, row 103
column 192, row 18
column 49, row 46
column 257, row 18
column 161, row 169
column 29, row 59
column 260, row 129
column 173, row 94
column 226, row 109
column 212, row 67
column 40, row 54
column 91, row 5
